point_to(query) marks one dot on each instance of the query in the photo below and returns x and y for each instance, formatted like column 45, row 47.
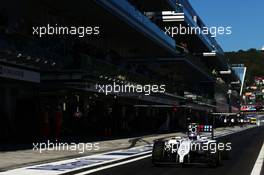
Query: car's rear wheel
column 225, row 155
column 216, row 159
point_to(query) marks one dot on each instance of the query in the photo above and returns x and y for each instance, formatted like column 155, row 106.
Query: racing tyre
column 216, row 160
column 226, row 155
column 157, row 152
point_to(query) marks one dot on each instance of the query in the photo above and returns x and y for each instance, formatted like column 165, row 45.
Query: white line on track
column 113, row 165
column 67, row 166
column 259, row 163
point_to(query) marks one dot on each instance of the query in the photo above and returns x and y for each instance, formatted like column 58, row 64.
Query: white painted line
column 113, row 165
column 64, row 166
column 259, row 163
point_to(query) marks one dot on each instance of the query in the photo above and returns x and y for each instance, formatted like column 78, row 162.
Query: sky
column 246, row 17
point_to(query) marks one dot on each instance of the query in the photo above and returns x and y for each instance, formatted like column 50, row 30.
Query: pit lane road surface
column 246, row 148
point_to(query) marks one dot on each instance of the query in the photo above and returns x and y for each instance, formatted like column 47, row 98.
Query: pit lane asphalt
column 245, row 149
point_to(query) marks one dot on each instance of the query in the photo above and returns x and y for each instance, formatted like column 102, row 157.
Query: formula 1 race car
column 193, row 149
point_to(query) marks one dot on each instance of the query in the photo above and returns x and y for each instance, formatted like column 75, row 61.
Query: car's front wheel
column 157, row 152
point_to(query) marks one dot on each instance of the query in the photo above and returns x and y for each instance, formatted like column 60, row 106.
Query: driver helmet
column 193, row 132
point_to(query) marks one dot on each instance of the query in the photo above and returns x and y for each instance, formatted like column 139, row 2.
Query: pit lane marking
column 259, row 163
column 66, row 166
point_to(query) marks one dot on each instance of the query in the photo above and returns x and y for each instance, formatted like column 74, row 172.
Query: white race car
column 195, row 148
